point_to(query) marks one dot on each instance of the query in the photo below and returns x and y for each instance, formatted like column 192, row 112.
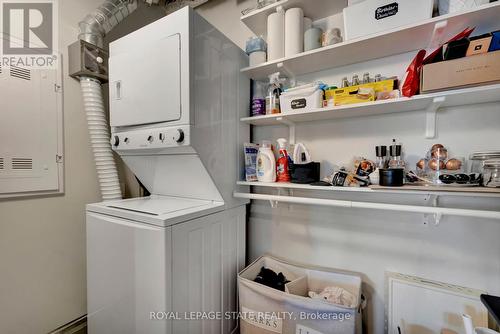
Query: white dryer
column 176, row 97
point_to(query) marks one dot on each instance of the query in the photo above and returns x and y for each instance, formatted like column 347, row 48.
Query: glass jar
column 491, row 173
column 477, row 160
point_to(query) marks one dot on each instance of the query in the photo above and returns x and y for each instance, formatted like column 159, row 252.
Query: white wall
column 461, row 251
column 42, row 240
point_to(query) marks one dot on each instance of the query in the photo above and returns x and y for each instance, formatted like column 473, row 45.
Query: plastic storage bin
column 266, row 310
column 373, row 16
column 302, row 98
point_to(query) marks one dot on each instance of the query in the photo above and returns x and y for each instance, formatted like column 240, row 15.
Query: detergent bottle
column 282, row 171
column 266, row 163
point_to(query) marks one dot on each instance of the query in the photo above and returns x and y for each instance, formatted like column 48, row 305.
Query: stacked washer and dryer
column 176, row 97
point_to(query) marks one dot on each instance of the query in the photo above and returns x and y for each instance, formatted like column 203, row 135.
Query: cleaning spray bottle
column 266, row 163
column 273, row 94
column 282, row 171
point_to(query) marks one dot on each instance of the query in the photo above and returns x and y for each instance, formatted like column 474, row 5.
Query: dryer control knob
column 179, row 136
column 115, row 141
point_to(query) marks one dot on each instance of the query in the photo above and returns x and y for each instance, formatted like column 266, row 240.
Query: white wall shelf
column 407, row 189
column 315, row 10
column 465, row 96
column 438, row 212
column 391, row 42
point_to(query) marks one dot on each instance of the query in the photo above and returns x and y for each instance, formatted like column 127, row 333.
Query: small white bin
column 266, row 310
column 302, row 98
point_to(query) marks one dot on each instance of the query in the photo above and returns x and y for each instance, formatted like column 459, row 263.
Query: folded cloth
column 335, row 295
column 269, row 278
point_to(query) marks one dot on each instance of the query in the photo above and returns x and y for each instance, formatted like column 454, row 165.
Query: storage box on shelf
column 378, row 15
column 383, row 44
column 467, row 71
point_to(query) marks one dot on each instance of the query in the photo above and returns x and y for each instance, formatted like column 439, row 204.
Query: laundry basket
column 265, row 310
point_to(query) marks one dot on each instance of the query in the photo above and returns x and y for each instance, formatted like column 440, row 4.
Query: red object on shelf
column 282, row 171
column 412, row 81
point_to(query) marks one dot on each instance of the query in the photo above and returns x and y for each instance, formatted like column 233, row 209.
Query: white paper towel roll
column 294, row 31
column 276, row 35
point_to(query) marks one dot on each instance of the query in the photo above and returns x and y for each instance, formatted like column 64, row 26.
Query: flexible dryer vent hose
column 99, row 139
column 93, row 28
column 97, row 24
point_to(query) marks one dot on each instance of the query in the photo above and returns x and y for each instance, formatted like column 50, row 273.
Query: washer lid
column 157, row 210
column 157, row 206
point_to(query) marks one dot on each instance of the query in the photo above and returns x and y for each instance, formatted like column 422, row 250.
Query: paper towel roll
column 307, row 23
column 276, row 35
column 294, row 30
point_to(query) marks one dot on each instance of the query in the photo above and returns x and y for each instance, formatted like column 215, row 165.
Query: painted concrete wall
column 42, row 240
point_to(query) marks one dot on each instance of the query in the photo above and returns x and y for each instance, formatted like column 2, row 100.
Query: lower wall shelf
column 438, row 212
column 407, row 189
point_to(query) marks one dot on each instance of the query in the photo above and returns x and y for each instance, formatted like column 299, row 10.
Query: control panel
column 152, row 138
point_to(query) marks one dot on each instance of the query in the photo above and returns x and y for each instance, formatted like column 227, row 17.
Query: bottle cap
column 266, row 144
column 282, row 143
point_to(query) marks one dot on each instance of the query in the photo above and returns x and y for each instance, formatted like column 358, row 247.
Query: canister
column 491, row 173
column 312, row 38
column 391, row 177
column 477, row 160
column 256, row 50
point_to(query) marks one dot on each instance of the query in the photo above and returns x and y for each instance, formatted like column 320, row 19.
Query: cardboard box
column 470, row 71
column 362, row 93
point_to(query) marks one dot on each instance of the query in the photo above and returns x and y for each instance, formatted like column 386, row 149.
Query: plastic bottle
column 258, row 99
column 273, row 94
column 282, row 171
column 266, row 163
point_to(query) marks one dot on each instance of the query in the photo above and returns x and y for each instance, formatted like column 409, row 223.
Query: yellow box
column 362, row 93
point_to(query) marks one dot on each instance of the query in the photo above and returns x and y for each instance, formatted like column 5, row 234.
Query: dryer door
column 145, row 84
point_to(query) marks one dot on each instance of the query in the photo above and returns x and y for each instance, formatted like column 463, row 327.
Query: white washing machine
column 176, row 97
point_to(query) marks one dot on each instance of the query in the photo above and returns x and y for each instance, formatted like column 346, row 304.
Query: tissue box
column 372, row 16
column 463, row 72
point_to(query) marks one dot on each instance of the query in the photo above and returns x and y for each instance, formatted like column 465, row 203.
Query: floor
column 78, row 326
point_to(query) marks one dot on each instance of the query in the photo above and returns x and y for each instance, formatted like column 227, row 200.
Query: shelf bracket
column 281, row 192
column 273, row 203
column 431, row 116
column 291, row 129
column 286, row 72
column 432, row 200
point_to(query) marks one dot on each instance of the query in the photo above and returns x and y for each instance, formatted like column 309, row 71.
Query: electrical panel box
column 31, row 132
